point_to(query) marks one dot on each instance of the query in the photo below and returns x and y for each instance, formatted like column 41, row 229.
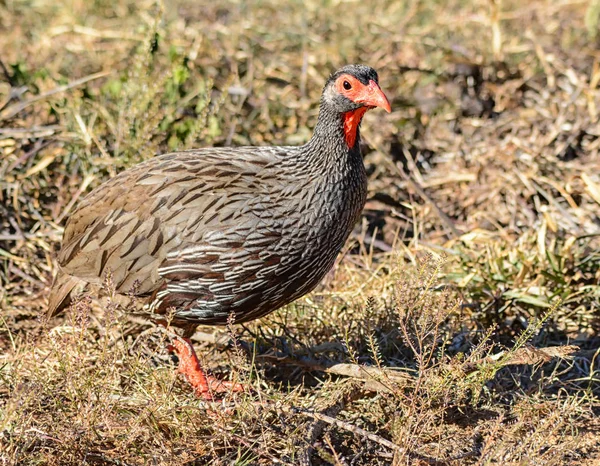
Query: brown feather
column 61, row 293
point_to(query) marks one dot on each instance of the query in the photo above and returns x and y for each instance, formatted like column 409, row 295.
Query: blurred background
column 484, row 190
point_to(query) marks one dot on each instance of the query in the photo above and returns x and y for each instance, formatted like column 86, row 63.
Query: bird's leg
column 204, row 385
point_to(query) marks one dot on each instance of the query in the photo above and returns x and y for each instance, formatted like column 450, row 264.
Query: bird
column 220, row 234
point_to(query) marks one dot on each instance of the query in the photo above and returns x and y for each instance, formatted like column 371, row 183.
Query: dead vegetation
column 461, row 324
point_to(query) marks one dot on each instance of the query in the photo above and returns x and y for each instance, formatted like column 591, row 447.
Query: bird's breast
column 274, row 251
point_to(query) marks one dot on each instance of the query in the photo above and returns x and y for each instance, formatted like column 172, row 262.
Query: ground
column 460, row 324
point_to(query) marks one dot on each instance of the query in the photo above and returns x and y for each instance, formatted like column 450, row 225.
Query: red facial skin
column 370, row 96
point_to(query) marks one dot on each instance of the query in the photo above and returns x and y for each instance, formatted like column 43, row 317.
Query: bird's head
column 353, row 87
column 351, row 91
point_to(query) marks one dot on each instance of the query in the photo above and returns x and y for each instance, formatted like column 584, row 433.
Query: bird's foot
column 204, row 385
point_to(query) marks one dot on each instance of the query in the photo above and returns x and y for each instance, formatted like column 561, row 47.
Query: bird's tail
column 61, row 293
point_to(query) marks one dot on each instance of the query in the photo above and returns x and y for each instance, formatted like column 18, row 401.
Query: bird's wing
column 132, row 223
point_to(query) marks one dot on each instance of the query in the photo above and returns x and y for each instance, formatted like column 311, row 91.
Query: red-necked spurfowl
column 204, row 234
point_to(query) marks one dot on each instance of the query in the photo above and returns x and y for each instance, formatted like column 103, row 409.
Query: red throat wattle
column 367, row 95
column 351, row 121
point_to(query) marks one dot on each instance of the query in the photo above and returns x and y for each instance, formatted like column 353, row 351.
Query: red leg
column 204, row 385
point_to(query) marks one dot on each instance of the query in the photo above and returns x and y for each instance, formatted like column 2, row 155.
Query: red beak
column 373, row 96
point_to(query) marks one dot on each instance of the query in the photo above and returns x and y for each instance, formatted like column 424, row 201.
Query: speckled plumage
column 215, row 231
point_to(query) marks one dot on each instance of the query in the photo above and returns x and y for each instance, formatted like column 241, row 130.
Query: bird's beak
column 373, row 96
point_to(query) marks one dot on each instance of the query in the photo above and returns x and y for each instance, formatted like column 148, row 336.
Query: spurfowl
column 204, row 234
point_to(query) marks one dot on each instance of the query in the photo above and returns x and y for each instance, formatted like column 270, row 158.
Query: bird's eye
column 347, row 85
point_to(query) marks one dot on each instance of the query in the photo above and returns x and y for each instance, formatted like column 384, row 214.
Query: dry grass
column 461, row 324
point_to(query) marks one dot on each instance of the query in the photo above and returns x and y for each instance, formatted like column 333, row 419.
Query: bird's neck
column 336, row 138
